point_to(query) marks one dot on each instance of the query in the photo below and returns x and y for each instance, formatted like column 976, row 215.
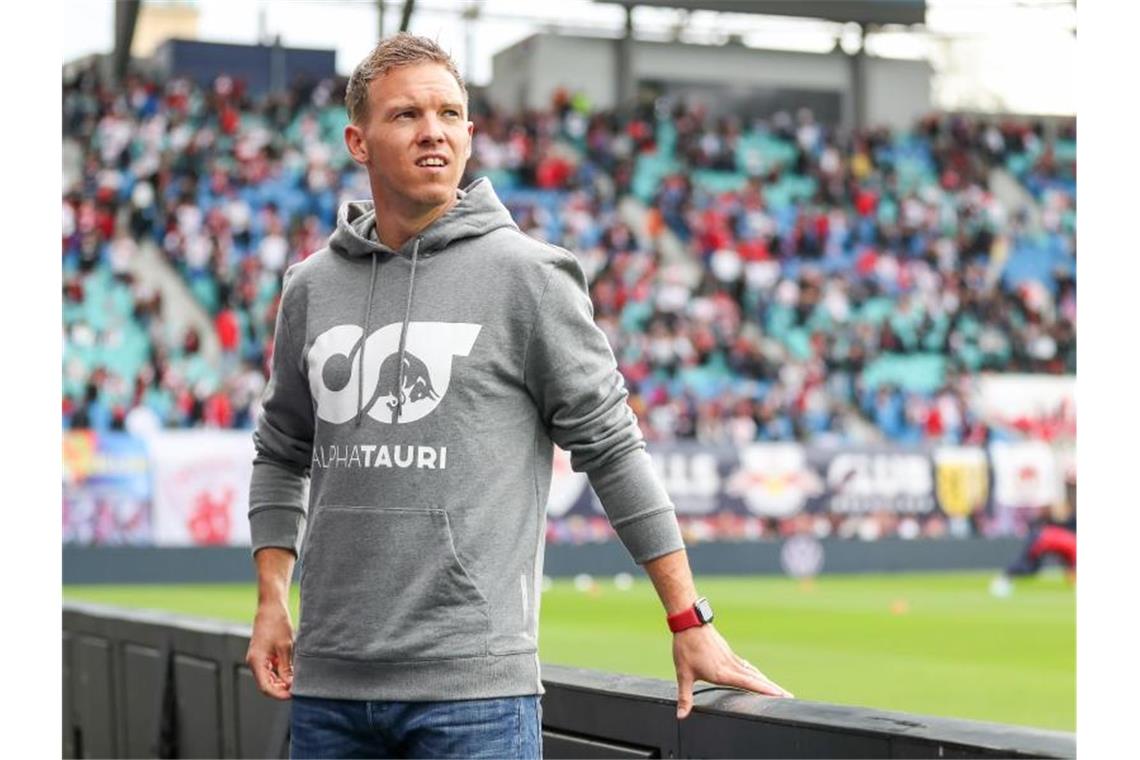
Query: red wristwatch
column 699, row 614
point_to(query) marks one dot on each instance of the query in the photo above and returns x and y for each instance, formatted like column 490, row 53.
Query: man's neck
column 395, row 226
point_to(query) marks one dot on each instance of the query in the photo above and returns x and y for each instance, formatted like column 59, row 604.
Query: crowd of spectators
column 230, row 192
column 840, row 280
column 788, row 281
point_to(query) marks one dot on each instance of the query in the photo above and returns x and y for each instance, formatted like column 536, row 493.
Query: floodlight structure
column 126, row 17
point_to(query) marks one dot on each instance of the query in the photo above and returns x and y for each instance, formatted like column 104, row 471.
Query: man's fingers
column 284, row 654
column 754, row 672
column 684, row 695
column 255, row 663
column 261, row 670
column 275, row 685
column 266, row 676
column 753, row 680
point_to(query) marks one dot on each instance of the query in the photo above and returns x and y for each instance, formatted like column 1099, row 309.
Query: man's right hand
column 270, row 654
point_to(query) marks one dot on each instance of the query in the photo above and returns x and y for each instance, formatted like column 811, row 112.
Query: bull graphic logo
column 416, row 382
column 334, row 369
column 774, row 479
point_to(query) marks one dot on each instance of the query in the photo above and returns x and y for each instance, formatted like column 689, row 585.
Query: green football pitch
column 929, row 643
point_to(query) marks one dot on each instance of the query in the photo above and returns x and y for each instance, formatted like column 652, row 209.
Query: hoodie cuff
column 651, row 536
column 282, row 527
column 638, row 506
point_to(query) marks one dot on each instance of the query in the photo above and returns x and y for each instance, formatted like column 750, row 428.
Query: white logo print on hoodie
column 334, row 369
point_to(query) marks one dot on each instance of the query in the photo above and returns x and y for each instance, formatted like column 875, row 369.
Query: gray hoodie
column 418, row 394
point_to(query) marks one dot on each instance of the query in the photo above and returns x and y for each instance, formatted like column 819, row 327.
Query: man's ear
column 354, row 141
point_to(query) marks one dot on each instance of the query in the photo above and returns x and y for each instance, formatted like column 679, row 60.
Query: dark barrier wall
column 144, row 684
column 83, row 564
column 204, row 61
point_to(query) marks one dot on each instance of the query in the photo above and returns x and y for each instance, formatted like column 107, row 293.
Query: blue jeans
column 505, row 727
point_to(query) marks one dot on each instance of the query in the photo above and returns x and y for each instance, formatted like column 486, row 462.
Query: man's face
column 414, row 111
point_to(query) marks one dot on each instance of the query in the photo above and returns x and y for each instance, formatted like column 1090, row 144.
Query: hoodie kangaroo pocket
column 386, row 584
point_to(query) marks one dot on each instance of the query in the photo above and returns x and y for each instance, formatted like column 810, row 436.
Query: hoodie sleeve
column 283, row 441
column 573, row 378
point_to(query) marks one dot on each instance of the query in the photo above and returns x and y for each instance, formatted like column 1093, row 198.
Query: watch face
column 704, row 610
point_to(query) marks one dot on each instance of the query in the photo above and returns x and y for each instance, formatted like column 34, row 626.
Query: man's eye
column 452, row 111
column 404, row 113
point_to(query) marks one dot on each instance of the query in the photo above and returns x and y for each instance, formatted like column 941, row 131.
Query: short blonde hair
column 402, row 49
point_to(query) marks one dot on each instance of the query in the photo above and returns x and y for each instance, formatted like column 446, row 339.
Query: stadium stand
column 776, row 280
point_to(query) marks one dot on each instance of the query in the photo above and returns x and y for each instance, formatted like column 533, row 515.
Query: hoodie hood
column 477, row 212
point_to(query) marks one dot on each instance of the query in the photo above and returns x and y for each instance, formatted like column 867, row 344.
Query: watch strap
column 686, row 618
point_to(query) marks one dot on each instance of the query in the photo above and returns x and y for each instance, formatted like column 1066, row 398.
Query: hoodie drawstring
column 404, row 334
column 363, row 341
column 367, row 321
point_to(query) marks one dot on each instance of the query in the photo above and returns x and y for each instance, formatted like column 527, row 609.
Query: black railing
column 140, row 683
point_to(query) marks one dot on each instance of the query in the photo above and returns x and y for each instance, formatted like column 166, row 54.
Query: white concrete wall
column 898, row 92
column 510, row 75
column 738, row 64
column 530, row 71
column 528, row 74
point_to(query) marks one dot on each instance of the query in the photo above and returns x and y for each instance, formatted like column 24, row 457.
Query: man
column 1053, row 536
column 424, row 365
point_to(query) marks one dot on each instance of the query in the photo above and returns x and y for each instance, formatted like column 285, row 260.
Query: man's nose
column 431, row 130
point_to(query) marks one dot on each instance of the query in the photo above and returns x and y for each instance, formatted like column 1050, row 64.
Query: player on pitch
column 425, row 363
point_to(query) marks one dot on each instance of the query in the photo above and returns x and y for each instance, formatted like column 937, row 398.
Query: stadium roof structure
column 863, row 12
column 868, row 14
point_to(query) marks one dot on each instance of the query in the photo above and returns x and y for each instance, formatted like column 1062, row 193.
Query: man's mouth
column 432, row 162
